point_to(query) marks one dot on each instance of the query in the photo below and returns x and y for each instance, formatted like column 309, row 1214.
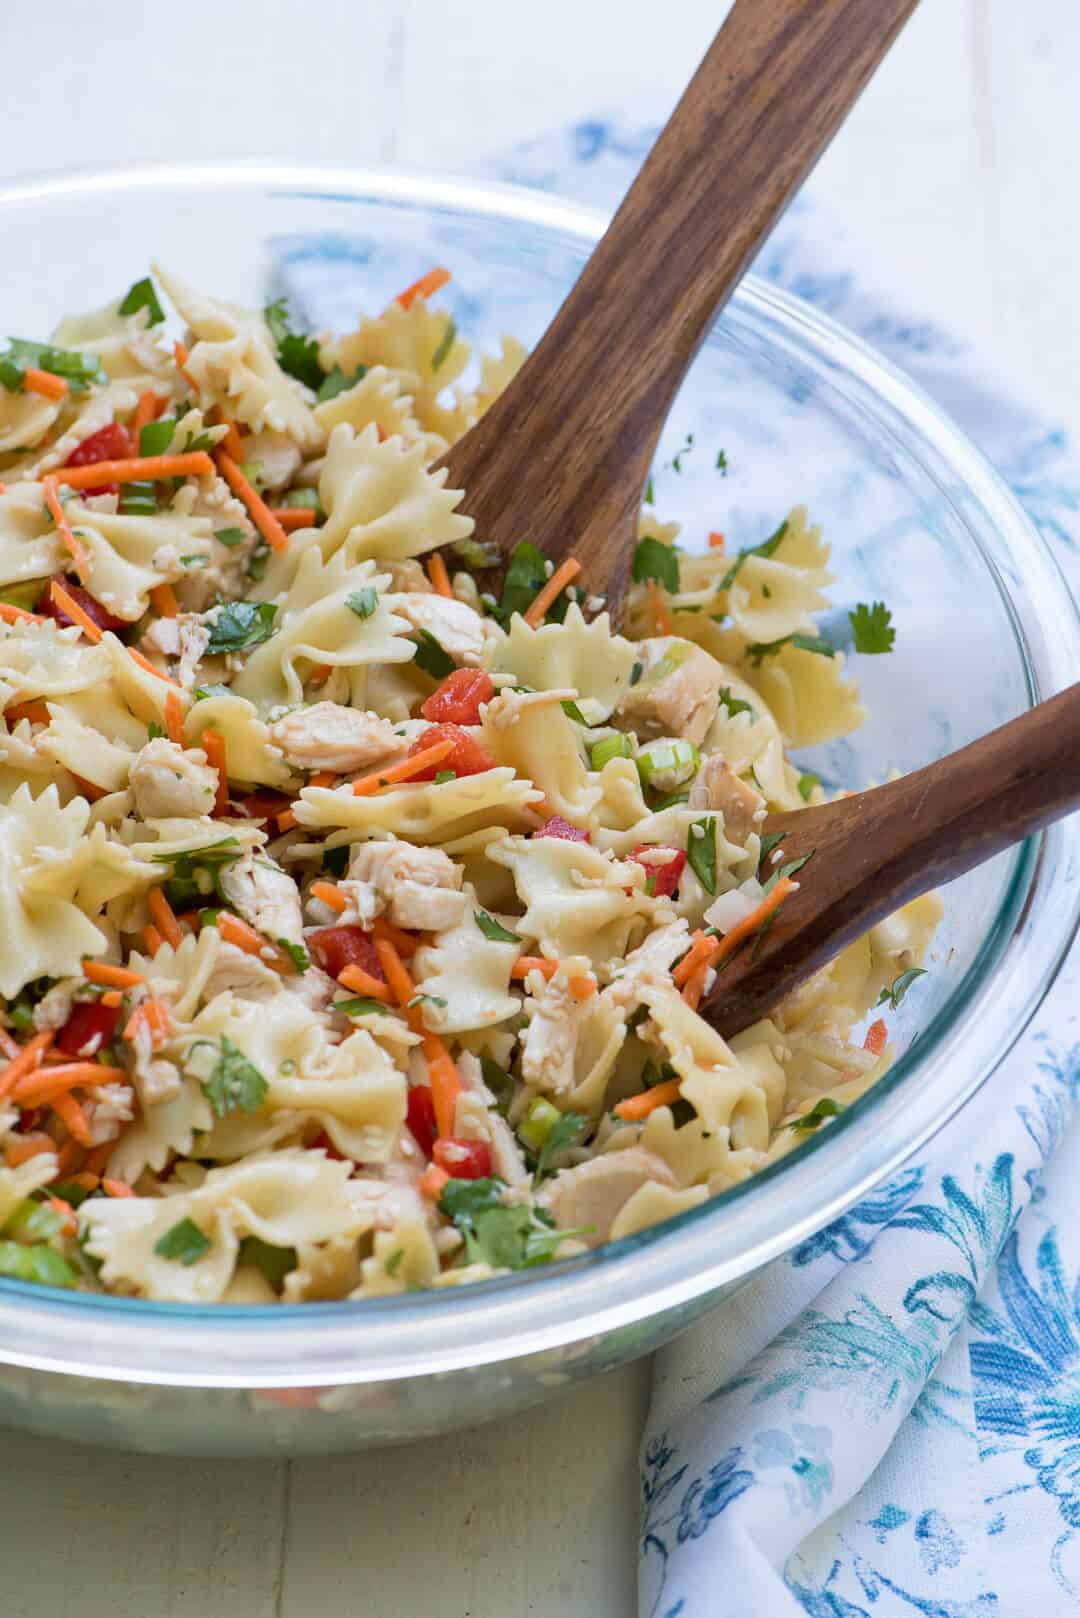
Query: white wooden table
column 959, row 163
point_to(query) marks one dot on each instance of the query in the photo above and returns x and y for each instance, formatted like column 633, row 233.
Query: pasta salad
column 357, row 917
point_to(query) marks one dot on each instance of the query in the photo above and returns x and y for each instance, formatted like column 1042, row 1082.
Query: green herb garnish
column 241, row 625
column 654, row 560
column 493, row 929
column 825, row 1108
column 185, row 1243
column 297, row 355
column 142, row 295
column 432, row 657
column 872, row 627
column 273, row 1262
column 233, row 1083
column 701, row 851
column 230, row 537
column 807, row 782
column 156, row 436
column 766, row 548
column 363, row 602
column 507, row 1238
column 446, row 343
column 734, row 705
column 21, row 355
column 896, row 990
column 758, row 650
column 336, row 382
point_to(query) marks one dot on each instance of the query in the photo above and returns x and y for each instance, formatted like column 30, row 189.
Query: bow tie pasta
column 357, row 919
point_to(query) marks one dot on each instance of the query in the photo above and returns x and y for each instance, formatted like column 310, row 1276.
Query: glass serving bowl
column 915, row 516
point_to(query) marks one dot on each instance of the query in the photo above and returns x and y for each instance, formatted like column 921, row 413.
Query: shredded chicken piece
column 55, row 1007
column 327, row 736
column 648, row 966
column 276, row 455
column 718, row 787
column 108, row 1109
column 678, row 692
column 549, row 1042
column 170, row 782
column 590, row 1195
column 264, row 895
column 477, row 1119
column 184, row 637
column 419, row 888
column 243, row 975
column 156, row 1079
column 459, row 630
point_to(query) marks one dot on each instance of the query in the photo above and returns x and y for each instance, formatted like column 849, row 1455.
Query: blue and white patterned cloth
column 886, row 1421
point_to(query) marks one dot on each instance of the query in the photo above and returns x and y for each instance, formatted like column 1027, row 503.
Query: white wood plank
column 523, row 1519
column 93, row 1534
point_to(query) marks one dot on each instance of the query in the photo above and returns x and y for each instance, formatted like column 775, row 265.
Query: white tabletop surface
column 960, row 162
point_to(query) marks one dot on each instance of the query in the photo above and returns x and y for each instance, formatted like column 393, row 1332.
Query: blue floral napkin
column 868, row 1439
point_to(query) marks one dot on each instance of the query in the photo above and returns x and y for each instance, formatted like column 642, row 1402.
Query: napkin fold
column 886, row 1421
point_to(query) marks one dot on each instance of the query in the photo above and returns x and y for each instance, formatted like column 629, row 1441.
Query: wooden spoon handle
column 774, row 86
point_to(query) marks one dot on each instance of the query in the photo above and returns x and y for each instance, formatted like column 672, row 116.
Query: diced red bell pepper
column 323, row 1143
column 89, row 1029
column 663, row 866
column 111, row 443
column 558, row 827
column 463, row 1159
column 265, row 804
column 420, row 1117
column 458, row 698
column 466, row 758
column 82, row 598
column 335, row 948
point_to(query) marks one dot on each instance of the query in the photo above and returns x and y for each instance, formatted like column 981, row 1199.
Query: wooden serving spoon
column 562, row 456
column 874, row 851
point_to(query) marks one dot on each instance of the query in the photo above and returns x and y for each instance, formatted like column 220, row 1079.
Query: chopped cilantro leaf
column 636, row 672
column 734, row 705
column 809, row 1121
column 499, row 1082
column 156, row 436
column 788, row 870
column 241, row 625
column 442, row 776
column 567, row 1132
column 230, row 1082
column 506, row 1237
column 363, row 602
column 701, row 851
column 766, row 548
column 525, row 578
column 432, row 657
column 572, row 711
column 359, row 1006
column 393, row 1263
column 768, row 843
column 202, row 692
column 650, row 493
column 429, row 999
column 896, row 990
column 758, row 650
column 196, row 559
column 493, row 929
column 677, row 459
column 142, row 295
column 229, row 537
column 185, row 1243
column 297, row 355
column 446, row 343
column 297, row 954
column 655, row 560
column 807, row 782
column 872, row 627
column 154, row 730
column 721, row 462
column 273, row 1262
column 336, row 382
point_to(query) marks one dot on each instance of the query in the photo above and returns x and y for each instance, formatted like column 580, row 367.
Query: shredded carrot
column 112, row 998
column 325, row 778
column 286, row 820
column 174, row 718
column 533, row 963
column 638, row 1107
column 237, row 932
column 330, row 895
column 231, row 443
column 41, row 1087
column 74, row 1119
column 424, row 287
column 145, row 412
column 66, row 1212
column 438, row 575
column 18, row 615
column 258, row 510
column 44, row 383
column 442, row 1071
column 28, row 1058
column 292, row 517
column 37, row 712
column 701, row 946
column 583, row 988
column 152, row 939
column 716, row 541
column 367, row 784
column 360, row 982
column 695, row 985
column 155, row 1014
column 433, row 1182
column 876, row 1036
column 181, row 356
column 117, row 1188
column 70, row 1157
column 90, row 791
column 213, row 743
column 22, row 1149
column 73, row 546
column 96, row 1159
column 145, row 663
column 70, row 606
column 397, row 974
column 113, row 977
column 164, row 917
column 139, row 469
column 568, row 570
column 163, row 600
column 749, row 925
column 660, row 610
column 88, row 1178
column 405, row 944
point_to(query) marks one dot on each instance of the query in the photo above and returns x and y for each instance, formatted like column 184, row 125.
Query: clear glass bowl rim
column 666, row 1267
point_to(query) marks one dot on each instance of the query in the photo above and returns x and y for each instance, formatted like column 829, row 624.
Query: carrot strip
column 534, row 614
column 152, row 939
column 117, row 1188
column 181, row 356
column 214, row 747
column 70, row 1157
column 164, row 917
column 112, row 998
column 286, row 820
column 237, row 932
column 148, row 409
column 18, row 615
column 292, row 517
column 37, row 712
column 114, row 977
column 70, row 606
column 424, row 287
column 701, row 946
column 258, row 510
column 56, row 511
column 660, row 610
column 325, row 778
column 367, row 784
column 44, row 383
column 87, row 1178
column 43, row 1086
column 876, row 1036
column 405, row 944
column 139, row 469
column 89, row 790
column 442, row 1072
column 533, row 963
column 155, row 1014
column 330, row 895
column 145, row 663
column 96, row 1159
column 661, row 1095
column 716, row 541
column 74, row 1119
column 750, row 924
column 25, row 1147
column 438, row 575
column 360, row 982
column 433, row 1182
column 28, row 1058
column 397, row 974
column 583, row 988
column 163, row 600
column 695, row 986
column 174, row 718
